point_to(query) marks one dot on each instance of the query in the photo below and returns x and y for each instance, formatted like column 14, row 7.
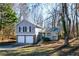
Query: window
column 24, row 29
column 54, row 37
column 48, row 34
column 19, row 29
column 30, row 29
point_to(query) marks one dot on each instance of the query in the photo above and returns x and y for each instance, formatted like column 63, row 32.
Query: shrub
column 46, row 39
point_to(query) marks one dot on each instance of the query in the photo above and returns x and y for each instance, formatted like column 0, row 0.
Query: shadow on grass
column 50, row 52
column 71, row 52
column 38, row 53
column 47, row 52
column 32, row 53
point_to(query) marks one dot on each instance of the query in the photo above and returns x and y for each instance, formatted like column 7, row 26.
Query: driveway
column 11, row 46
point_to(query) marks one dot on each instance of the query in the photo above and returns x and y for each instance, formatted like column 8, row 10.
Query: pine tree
column 7, row 16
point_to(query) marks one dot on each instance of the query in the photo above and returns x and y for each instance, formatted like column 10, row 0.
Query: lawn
column 55, row 48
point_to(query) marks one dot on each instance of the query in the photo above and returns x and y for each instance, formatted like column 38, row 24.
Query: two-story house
column 27, row 32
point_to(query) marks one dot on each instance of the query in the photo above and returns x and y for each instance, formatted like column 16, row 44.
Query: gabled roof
column 54, row 29
column 38, row 26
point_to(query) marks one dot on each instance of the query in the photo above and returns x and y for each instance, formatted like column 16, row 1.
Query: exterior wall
column 25, row 33
column 37, row 30
column 48, row 35
column 34, row 31
column 52, row 35
column 25, row 23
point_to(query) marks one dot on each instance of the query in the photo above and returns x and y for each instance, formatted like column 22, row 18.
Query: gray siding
column 27, row 24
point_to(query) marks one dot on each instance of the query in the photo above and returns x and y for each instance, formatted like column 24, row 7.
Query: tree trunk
column 68, row 19
column 73, row 30
column 76, row 21
column 64, row 24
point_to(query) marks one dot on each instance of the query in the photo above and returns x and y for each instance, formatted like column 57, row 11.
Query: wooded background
column 62, row 15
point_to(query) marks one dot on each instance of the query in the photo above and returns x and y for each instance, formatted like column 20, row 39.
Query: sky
column 36, row 9
column 42, row 9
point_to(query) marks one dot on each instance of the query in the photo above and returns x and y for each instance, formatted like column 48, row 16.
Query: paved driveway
column 11, row 46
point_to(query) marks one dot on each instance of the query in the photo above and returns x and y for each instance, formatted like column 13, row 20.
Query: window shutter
column 23, row 29
column 30, row 29
column 19, row 29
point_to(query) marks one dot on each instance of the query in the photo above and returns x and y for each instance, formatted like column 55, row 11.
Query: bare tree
column 76, row 18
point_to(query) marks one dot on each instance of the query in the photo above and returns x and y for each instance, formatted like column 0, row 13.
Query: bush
column 46, row 39
column 61, row 36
